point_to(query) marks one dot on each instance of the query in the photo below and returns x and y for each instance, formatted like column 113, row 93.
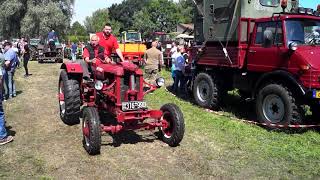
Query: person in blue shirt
column 10, row 64
column 74, row 48
column 4, row 137
column 52, row 36
column 179, row 72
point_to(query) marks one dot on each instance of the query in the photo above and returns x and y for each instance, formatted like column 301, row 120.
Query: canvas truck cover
column 217, row 20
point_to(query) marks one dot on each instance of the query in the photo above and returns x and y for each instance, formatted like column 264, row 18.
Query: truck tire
column 174, row 132
column 69, row 99
column 91, row 130
column 206, row 91
column 276, row 105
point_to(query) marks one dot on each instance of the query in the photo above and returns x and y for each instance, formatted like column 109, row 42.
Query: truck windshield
column 133, row 37
column 303, row 31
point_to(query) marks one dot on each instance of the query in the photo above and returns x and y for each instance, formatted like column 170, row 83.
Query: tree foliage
column 97, row 20
column 77, row 29
column 124, row 12
column 34, row 18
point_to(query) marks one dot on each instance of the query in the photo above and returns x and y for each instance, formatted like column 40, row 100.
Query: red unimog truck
column 267, row 49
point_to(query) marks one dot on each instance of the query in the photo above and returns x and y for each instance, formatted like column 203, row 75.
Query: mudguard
column 74, row 68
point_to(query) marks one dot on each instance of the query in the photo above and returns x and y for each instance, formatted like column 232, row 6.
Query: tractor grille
column 125, row 84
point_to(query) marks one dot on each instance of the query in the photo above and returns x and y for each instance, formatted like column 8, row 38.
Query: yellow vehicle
column 132, row 47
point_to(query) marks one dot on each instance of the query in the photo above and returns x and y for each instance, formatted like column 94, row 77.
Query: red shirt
column 109, row 43
column 96, row 50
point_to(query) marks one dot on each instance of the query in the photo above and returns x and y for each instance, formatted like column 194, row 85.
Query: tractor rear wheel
column 91, row 130
column 173, row 130
column 69, row 99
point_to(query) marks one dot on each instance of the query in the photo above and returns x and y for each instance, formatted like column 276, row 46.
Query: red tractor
column 118, row 90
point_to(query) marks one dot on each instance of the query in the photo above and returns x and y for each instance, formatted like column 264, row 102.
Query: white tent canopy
column 184, row 36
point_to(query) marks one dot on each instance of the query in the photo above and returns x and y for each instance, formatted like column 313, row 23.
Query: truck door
column 265, row 54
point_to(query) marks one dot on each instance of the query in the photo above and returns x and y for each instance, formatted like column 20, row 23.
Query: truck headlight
column 160, row 82
column 98, row 85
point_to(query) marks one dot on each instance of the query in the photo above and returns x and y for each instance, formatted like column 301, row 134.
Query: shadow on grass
column 130, row 137
column 10, row 131
column 125, row 137
column 19, row 92
column 234, row 106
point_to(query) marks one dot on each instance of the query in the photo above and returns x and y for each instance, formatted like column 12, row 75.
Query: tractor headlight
column 160, row 82
column 293, row 46
column 98, row 85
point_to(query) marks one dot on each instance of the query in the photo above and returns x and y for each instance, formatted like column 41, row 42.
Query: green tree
column 77, row 29
column 143, row 23
column 34, row 17
column 186, row 11
column 124, row 12
column 97, row 20
column 163, row 15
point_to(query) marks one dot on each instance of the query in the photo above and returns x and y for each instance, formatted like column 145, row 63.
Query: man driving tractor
column 91, row 54
column 109, row 42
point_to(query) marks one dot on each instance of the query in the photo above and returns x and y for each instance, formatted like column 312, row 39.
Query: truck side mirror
column 267, row 38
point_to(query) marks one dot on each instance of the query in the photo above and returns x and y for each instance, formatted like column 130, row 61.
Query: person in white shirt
column 173, row 53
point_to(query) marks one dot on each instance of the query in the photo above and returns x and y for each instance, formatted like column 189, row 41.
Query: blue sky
column 309, row 3
column 84, row 8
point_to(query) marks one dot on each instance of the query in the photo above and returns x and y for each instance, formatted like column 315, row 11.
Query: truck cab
column 268, row 50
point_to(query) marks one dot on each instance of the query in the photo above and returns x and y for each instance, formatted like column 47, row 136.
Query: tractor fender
column 74, row 68
column 282, row 77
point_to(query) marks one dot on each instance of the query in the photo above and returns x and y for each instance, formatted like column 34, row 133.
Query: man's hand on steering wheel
column 107, row 60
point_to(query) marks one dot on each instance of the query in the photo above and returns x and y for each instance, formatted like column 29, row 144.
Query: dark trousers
column 26, row 59
column 179, row 79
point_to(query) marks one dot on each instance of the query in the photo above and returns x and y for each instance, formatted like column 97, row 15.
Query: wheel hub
column 61, row 100
column 203, row 91
column 273, row 108
column 86, row 131
column 167, row 128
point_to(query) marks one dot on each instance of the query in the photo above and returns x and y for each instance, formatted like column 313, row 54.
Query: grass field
column 214, row 147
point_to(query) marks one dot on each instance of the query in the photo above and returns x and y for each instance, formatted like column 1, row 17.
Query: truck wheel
column 91, row 130
column 173, row 131
column 69, row 99
column 277, row 105
column 206, row 91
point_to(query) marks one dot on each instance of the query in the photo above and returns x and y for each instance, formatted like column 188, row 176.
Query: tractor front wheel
column 91, row 130
column 173, row 127
column 69, row 99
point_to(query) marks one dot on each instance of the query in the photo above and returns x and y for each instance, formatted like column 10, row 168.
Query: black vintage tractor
column 50, row 52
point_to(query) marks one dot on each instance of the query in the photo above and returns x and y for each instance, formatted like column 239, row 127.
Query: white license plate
column 133, row 105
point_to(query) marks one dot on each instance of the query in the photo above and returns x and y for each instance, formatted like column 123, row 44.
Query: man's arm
column 118, row 50
column 161, row 59
column 120, row 54
column 145, row 57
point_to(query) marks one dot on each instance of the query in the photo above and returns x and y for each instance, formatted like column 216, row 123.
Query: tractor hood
column 310, row 54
